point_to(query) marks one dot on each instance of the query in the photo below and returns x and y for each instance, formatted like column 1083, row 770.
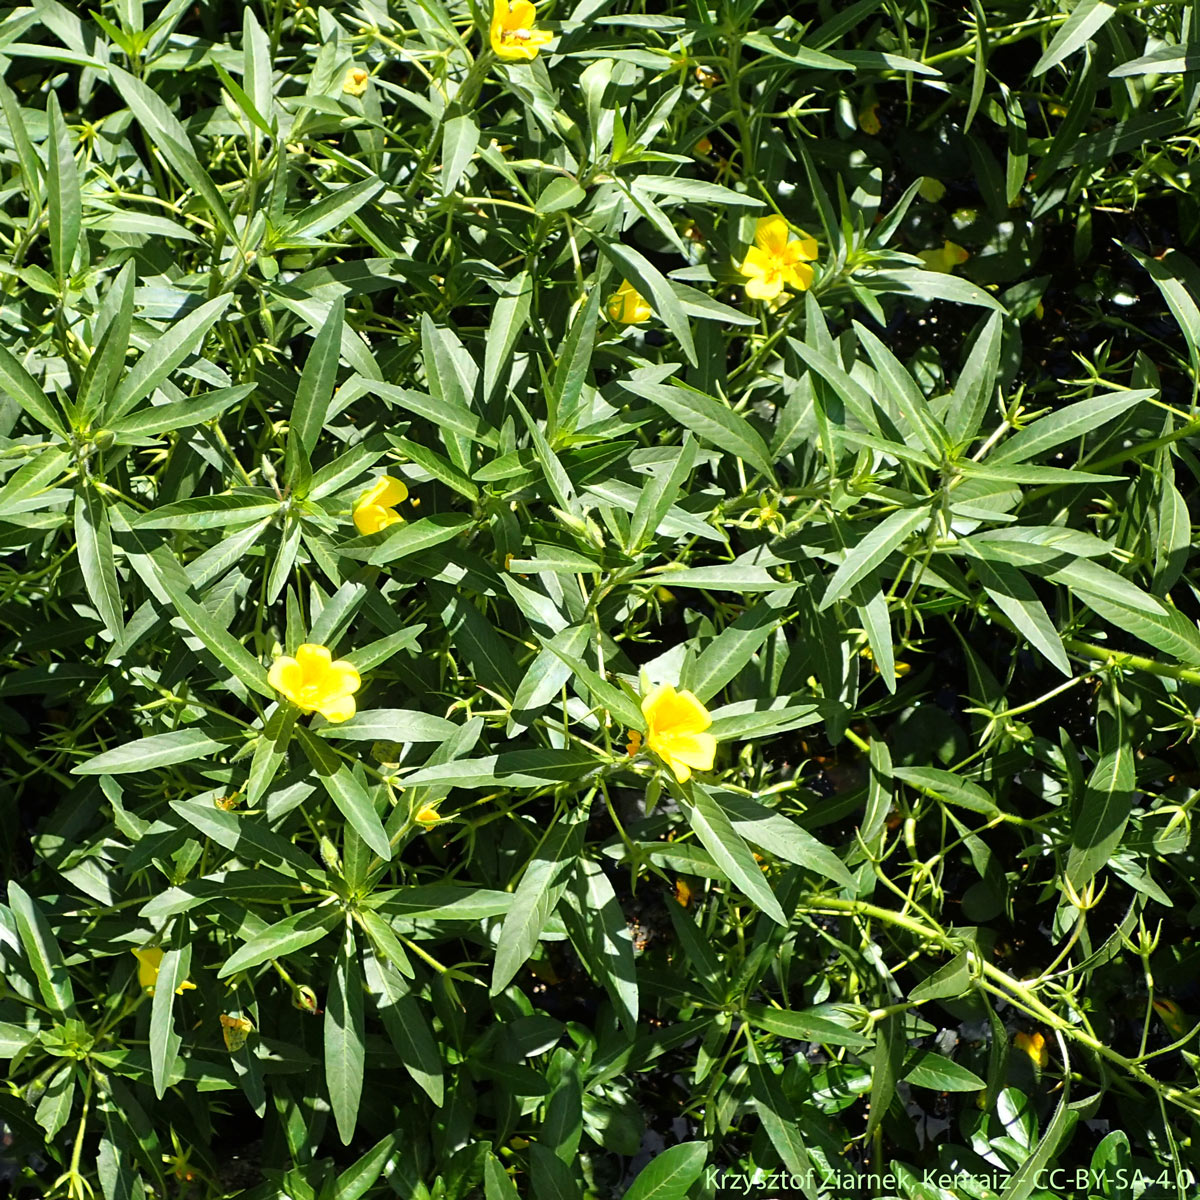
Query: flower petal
column 393, row 492
column 521, row 15
column 342, row 679
column 371, row 518
column 765, row 288
column 286, row 676
column 314, row 660
column 771, row 234
column 336, row 708
column 799, row 275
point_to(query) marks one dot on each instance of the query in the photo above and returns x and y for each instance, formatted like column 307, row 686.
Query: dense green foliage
column 917, row 536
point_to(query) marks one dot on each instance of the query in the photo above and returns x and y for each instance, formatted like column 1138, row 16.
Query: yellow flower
column 774, row 263
column 312, row 682
column 356, row 81
column 634, row 745
column 427, row 815
column 627, row 306
column 235, row 1030
column 376, row 507
column 675, row 724
column 1035, row 1046
column 706, row 77
column 149, row 960
column 513, row 36
column 944, row 260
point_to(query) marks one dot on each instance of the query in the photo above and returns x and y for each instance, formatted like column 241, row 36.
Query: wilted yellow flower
column 1035, row 1046
column 376, row 507
column 868, row 120
column 634, row 745
column 1172, row 1016
column 702, row 147
column 314, row 683
column 514, row 37
column 149, row 960
column 235, row 1030
column 675, row 724
column 774, row 263
column 944, row 260
column 683, row 893
column 627, row 306
column 706, row 77
column 356, row 81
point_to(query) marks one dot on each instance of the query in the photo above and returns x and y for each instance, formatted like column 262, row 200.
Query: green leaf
column 509, row 319
column 1097, row 829
column 1066, row 424
column 924, row 1068
column 1168, row 630
column 93, row 540
column 658, row 495
column 541, row 887
column 181, row 339
column 1086, row 20
column 62, row 193
column 1014, row 596
column 347, row 792
column 728, row 849
column 870, row 552
column 709, row 419
column 724, row 657
column 21, row 387
column 976, row 384
column 164, row 1041
column 885, row 1068
column 806, row 1026
column 779, row 835
column 783, row 1127
column 950, row 980
column 42, row 951
column 497, row 1184
column 392, row 725
column 344, row 1038
column 601, row 933
column 408, row 1027
column 647, row 279
column 905, row 394
column 517, row 768
column 670, row 1174
column 158, row 750
column 281, row 939
column 160, row 418
column 948, row 786
column 311, row 405
column 359, row 1177
column 408, row 538
column 223, row 646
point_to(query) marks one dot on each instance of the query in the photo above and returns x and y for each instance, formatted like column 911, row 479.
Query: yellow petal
column 149, row 960
column 696, row 750
column 186, row 986
column 799, row 276
column 314, row 660
column 342, row 679
column 772, row 234
column 336, row 708
column 757, row 262
column 286, row 676
column 520, row 15
column 371, row 518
